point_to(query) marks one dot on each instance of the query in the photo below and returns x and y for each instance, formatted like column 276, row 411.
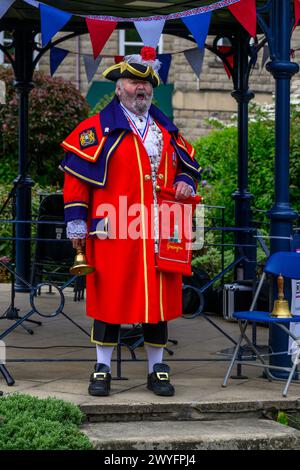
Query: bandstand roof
column 222, row 20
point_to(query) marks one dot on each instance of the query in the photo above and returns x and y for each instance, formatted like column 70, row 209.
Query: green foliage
column 6, row 228
column 282, row 418
column 56, row 107
column 217, row 154
column 104, row 101
column 29, row 423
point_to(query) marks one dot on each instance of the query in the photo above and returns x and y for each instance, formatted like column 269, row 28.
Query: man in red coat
column 115, row 165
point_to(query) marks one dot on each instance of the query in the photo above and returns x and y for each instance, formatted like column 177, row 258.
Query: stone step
column 105, row 411
column 238, row 434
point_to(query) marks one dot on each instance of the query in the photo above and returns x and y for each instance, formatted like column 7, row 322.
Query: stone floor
column 197, row 365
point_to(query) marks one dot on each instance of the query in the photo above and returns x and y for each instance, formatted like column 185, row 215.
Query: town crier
column 115, row 162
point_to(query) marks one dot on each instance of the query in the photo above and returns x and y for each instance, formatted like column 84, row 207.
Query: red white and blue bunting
column 245, row 13
column 297, row 12
column 150, row 31
column 172, row 16
column 91, row 66
column 4, row 6
column 150, row 28
column 195, row 58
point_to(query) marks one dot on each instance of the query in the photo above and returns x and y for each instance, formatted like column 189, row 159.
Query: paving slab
column 197, row 379
column 243, row 434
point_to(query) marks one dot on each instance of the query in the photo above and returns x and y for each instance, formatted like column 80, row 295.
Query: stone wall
column 72, row 68
column 194, row 100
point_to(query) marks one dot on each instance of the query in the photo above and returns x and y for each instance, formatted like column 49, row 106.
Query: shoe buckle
column 162, row 375
column 100, row 375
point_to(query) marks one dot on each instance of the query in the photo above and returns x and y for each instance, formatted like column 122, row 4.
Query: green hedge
column 30, row 423
column 6, row 228
column 217, row 154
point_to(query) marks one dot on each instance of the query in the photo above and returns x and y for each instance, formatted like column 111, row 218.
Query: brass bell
column 80, row 266
column 281, row 306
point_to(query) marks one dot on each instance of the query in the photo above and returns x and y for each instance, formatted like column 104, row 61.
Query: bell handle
column 280, row 283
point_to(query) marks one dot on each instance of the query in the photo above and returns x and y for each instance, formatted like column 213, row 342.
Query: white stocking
column 155, row 355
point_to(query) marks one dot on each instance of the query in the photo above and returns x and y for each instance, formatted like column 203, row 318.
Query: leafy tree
column 55, row 108
column 217, row 154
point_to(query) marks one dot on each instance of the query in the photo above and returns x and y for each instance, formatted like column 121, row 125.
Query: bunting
column 5, row 6
column 118, row 58
column 195, row 58
column 91, row 66
column 52, row 20
column 297, row 12
column 100, row 28
column 150, row 31
column 229, row 59
column 172, row 16
column 100, row 32
column 165, row 60
column 57, row 55
column 245, row 13
column 198, row 25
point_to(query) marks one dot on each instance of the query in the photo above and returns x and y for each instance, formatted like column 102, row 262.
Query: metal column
column 242, row 196
column 281, row 215
column 24, row 42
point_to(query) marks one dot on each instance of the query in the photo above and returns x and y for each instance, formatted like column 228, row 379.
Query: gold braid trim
column 123, row 66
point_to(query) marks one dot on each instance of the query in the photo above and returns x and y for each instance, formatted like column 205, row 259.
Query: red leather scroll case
column 175, row 232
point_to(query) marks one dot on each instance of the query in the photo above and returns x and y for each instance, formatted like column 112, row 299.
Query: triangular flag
column 33, row 3
column 297, row 12
column 165, row 60
column 52, row 20
column 100, row 32
column 91, row 66
column 57, row 55
column 4, row 6
column 265, row 57
column 198, row 26
column 150, row 31
column 229, row 59
column 118, row 58
column 245, row 12
column 195, row 58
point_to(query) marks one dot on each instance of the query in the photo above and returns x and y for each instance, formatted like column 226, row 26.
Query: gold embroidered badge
column 88, row 137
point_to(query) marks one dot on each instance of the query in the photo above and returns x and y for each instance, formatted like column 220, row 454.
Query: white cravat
column 152, row 138
column 144, row 126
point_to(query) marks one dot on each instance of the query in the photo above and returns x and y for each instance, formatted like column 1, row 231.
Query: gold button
column 147, row 177
column 161, row 176
column 157, row 188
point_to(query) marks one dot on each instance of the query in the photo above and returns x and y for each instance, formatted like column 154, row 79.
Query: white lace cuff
column 76, row 229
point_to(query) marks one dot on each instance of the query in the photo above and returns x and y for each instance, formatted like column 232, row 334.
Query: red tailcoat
column 106, row 160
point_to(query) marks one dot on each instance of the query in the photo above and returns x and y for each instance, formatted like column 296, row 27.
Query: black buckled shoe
column 159, row 381
column 100, row 381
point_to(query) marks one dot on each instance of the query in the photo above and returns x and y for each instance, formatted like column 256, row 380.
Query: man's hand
column 183, row 190
column 78, row 243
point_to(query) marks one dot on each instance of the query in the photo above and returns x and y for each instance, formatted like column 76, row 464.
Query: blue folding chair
column 286, row 264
